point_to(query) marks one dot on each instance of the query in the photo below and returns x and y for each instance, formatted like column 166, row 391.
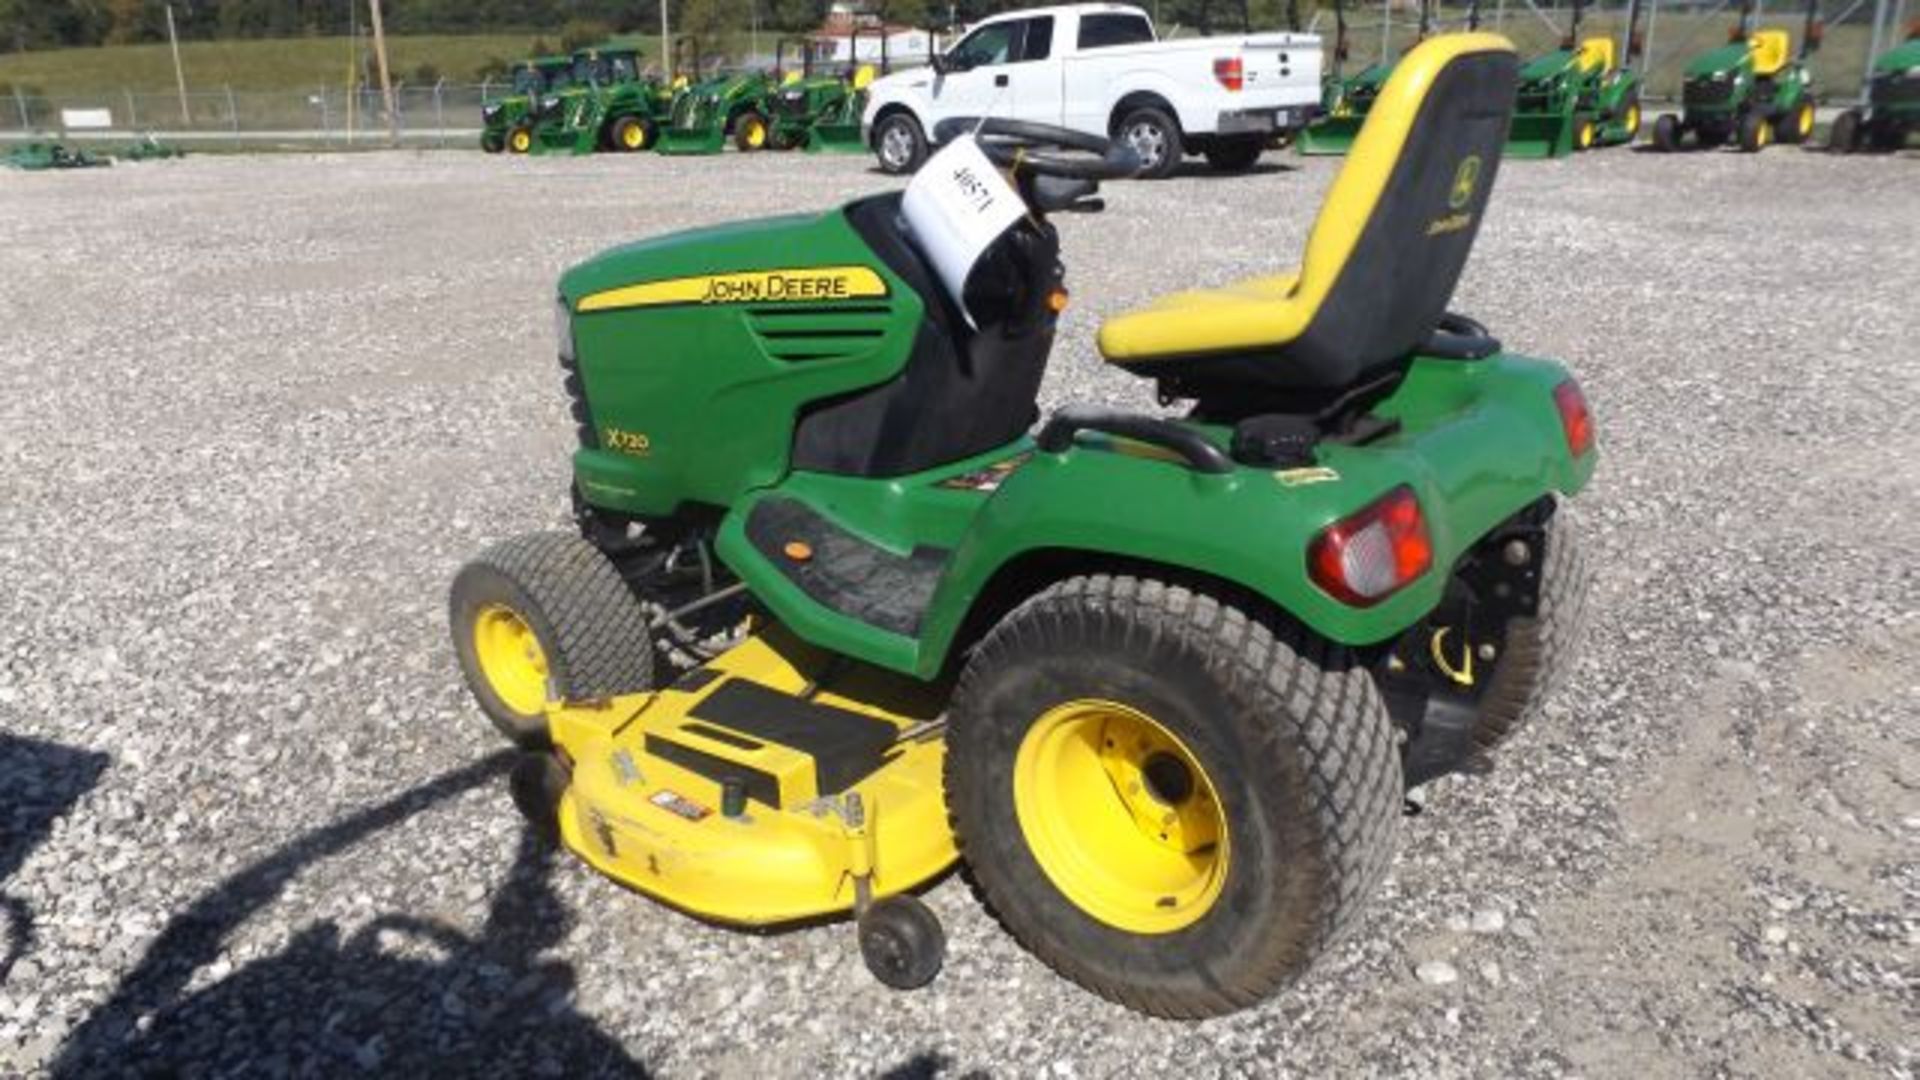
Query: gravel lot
column 255, row 411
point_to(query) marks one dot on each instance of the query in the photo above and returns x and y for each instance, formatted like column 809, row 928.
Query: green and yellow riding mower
column 836, row 616
column 149, row 148
column 823, row 115
column 1892, row 112
column 1579, row 96
column 503, row 123
column 1345, row 101
column 1753, row 91
column 731, row 104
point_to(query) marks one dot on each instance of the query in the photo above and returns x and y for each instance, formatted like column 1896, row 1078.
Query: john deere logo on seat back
column 1465, row 179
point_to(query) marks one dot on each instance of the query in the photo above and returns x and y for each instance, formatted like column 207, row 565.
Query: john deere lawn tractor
column 505, row 121
column 1160, row 679
column 1345, row 101
column 1579, row 96
column 1753, row 91
column 1892, row 112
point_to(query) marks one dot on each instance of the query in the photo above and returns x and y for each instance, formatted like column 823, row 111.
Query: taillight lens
column 1368, row 556
column 1229, row 72
column 1575, row 418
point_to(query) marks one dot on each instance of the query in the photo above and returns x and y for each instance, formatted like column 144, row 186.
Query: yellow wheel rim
column 521, row 142
column 1765, row 136
column 1633, row 121
column 1120, row 816
column 1806, row 120
column 756, row 134
column 511, row 659
column 1586, row 136
column 633, row 136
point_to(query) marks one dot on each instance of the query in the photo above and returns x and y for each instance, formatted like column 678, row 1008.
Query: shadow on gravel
column 39, row 781
column 401, row 996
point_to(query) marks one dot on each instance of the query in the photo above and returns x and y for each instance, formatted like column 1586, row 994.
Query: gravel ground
column 255, row 411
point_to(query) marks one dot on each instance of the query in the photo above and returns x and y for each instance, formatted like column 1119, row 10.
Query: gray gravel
column 255, row 411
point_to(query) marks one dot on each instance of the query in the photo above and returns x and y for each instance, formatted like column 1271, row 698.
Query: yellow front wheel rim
column 1633, row 121
column 1806, row 120
column 1121, row 816
column 633, row 137
column 510, row 659
column 756, row 135
column 521, row 141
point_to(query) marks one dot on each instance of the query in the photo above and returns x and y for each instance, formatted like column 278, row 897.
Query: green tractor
column 40, row 156
column 1345, row 101
column 1578, row 97
column 731, row 103
column 605, row 106
column 1753, row 91
column 822, row 114
column 502, row 122
column 1892, row 112
column 1161, row 680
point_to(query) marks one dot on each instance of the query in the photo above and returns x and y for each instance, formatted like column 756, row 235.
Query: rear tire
column 1235, row 155
column 899, row 144
column 1264, row 750
column 630, row 134
column 1154, row 136
column 1844, row 136
column 1630, row 117
column 1666, row 133
column 1540, row 650
column 1756, row 132
column 1798, row 123
column 520, row 139
column 545, row 617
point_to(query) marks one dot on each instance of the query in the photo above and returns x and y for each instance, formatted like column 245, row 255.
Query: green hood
column 1546, row 67
column 1899, row 59
column 1727, row 57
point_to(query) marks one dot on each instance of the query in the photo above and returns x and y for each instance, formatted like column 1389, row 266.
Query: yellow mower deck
column 759, row 789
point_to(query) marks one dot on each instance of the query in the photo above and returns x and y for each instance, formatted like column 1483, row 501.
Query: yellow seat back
column 863, row 76
column 1770, row 50
column 1596, row 54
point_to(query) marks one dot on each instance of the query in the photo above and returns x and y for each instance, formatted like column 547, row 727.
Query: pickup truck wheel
column 900, row 144
column 1155, row 137
column 1235, row 155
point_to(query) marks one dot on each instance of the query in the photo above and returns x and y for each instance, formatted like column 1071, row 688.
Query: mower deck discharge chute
column 1579, row 96
column 836, row 614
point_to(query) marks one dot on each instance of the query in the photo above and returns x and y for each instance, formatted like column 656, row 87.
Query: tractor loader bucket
column 1331, row 136
column 836, row 139
column 1540, row 135
column 701, row 140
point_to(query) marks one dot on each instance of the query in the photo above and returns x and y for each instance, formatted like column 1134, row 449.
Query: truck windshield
column 1106, row 31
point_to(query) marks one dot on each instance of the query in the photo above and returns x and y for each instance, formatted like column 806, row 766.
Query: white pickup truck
column 1098, row 68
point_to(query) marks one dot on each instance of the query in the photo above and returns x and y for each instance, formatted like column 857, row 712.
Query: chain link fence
column 444, row 114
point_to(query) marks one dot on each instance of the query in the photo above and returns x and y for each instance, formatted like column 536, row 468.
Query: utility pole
column 179, row 76
column 666, row 45
column 386, row 81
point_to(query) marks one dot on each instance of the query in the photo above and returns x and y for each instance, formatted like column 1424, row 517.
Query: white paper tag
column 957, row 205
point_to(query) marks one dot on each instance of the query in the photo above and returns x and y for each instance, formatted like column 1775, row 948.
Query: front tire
column 899, row 144
column 1844, row 136
column 1235, row 155
column 545, row 617
column 630, row 134
column 1798, row 123
column 1756, row 132
column 750, row 132
column 1155, row 137
column 492, row 142
column 1171, row 800
column 1666, row 133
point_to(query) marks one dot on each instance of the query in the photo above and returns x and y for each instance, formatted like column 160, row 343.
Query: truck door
column 1034, row 74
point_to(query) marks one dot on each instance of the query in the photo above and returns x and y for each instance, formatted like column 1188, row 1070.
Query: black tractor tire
column 520, row 138
column 1156, row 137
column 1666, row 133
column 1756, row 132
column 631, row 134
column 751, row 132
column 492, row 142
column 1844, row 136
column 591, row 635
column 1797, row 124
column 1235, row 155
column 786, row 140
column 1630, row 117
column 899, row 144
column 1540, row 649
column 1285, row 731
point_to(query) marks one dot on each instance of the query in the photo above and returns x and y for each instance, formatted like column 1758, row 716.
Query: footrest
column 843, row 572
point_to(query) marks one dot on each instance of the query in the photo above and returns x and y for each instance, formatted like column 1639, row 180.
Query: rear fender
column 1481, row 441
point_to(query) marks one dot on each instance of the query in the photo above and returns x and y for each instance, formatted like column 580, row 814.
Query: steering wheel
column 1044, row 149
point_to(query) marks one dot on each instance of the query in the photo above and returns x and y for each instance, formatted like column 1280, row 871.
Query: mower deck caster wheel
column 536, row 784
column 902, row 942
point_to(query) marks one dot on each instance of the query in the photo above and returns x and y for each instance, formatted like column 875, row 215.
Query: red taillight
column 1575, row 418
column 1364, row 558
column 1230, row 72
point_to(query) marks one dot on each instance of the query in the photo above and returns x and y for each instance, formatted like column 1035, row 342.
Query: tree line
column 51, row 24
